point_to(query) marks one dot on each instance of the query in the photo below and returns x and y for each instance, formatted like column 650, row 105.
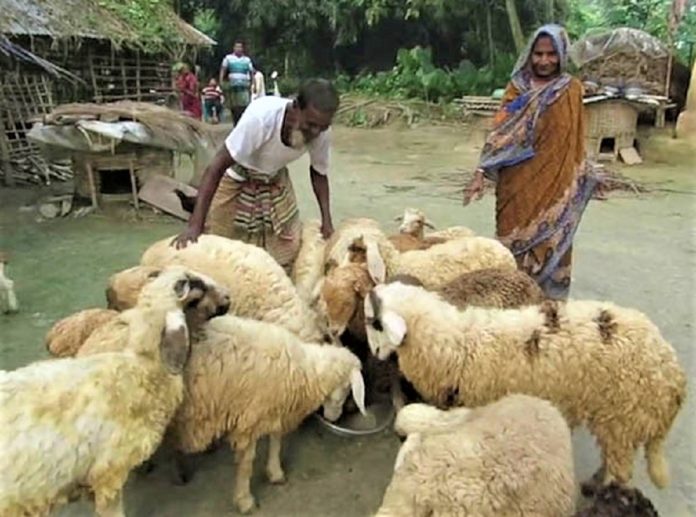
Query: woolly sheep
column 602, row 365
column 67, row 335
column 259, row 286
column 309, row 264
column 414, row 222
column 110, row 336
column 342, row 246
column 511, row 457
column 344, row 289
column 124, row 287
column 67, row 425
column 615, row 500
column 8, row 298
column 404, row 242
column 247, row 379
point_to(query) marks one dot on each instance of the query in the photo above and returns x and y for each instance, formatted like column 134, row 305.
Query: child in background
column 212, row 101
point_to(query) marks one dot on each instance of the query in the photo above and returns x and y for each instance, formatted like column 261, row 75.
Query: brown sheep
column 67, row 335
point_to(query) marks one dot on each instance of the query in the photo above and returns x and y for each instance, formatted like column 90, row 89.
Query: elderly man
column 536, row 156
column 246, row 187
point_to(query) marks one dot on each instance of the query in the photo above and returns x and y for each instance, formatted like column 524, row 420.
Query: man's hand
column 191, row 234
column 474, row 190
column 327, row 229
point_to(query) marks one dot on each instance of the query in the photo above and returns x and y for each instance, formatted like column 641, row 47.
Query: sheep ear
column 399, row 218
column 429, row 224
column 175, row 342
column 357, row 386
column 375, row 264
column 182, row 288
column 316, row 293
column 394, row 326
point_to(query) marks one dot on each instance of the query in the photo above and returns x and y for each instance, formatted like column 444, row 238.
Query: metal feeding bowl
column 377, row 418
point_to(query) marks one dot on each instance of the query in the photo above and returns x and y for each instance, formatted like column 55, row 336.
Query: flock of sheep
column 217, row 341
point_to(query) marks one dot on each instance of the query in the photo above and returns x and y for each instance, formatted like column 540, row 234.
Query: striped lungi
column 261, row 210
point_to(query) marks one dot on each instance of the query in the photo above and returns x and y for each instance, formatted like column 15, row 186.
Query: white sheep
column 259, row 286
column 67, row 335
column 76, row 424
column 511, row 457
column 440, row 264
column 247, row 379
column 308, row 267
column 413, row 222
column 124, row 287
column 602, row 365
column 8, row 298
column 351, row 240
column 97, row 325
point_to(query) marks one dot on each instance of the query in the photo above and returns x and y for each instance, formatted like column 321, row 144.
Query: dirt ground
column 638, row 252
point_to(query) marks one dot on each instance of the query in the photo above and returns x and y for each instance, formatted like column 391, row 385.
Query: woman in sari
column 536, row 155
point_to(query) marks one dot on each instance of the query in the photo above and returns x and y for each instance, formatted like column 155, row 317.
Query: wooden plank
column 6, row 163
column 158, row 191
column 92, row 187
column 630, row 156
column 95, row 88
column 137, row 73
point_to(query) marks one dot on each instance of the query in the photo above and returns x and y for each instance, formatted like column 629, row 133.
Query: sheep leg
column 106, row 506
column 589, row 488
column 274, row 468
column 619, row 464
column 397, row 395
column 183, row 468
column 244, row 458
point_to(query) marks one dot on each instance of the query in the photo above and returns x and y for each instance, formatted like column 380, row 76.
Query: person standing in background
column 187, row 88
column 238, row 69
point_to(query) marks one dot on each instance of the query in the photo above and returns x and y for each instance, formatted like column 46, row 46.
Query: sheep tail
column 657, row 463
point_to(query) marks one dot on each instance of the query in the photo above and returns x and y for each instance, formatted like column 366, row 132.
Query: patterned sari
column 536, row 155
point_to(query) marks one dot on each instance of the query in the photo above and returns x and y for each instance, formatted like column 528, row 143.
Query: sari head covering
column 512, row 139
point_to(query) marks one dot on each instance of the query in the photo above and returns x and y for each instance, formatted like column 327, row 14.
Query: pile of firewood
column 34, row 170
column 628, row 69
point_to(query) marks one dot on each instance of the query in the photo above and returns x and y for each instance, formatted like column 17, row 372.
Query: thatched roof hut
column 622, row 57
column 57, row 51
column 88, row 19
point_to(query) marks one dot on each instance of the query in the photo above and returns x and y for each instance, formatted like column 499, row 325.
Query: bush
column 415, row 76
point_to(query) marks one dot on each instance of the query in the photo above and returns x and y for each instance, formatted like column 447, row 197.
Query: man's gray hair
column 320, row 94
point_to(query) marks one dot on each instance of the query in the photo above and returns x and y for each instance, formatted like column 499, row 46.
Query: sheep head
column 386, row 329
column 125, row 288
column 175, row 290
column 333, row 405
column 341, row 295
column 413, row 221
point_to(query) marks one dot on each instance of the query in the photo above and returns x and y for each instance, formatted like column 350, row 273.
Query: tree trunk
column 549, row 18
column 515, row 27
column 489, row 33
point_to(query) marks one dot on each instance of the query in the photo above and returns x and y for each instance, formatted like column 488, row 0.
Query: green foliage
column 151, row 19
column 415, row 76
column 206, row 21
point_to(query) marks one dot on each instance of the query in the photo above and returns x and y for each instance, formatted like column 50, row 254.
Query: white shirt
column 255, row 142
